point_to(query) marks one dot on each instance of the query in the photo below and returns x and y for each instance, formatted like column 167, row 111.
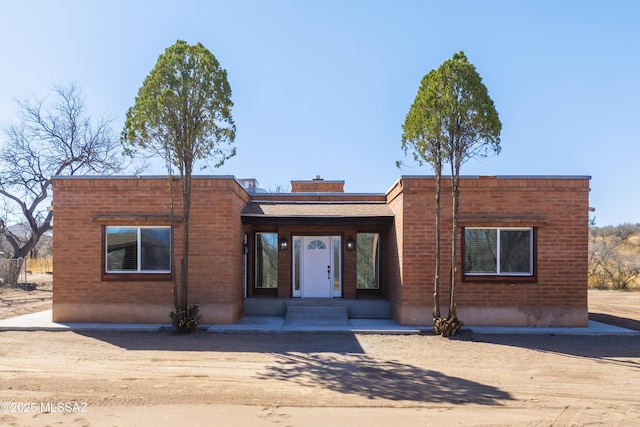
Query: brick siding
column 317, row 185
column 557, row 207
column 83, row 207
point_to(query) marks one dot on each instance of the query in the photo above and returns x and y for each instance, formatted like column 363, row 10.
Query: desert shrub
column 186, row 321
column 614, row 257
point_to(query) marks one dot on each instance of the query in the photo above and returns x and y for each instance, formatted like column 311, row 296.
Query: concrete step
column 356, row 308
column 317, row 312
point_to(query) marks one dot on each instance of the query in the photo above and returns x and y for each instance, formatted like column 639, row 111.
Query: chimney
column 249, row 184
column 317, row 185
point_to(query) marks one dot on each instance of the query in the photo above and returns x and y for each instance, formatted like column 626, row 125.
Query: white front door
column 317, row 259
column 316, row 277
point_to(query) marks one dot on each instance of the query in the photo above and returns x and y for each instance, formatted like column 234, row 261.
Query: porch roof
column 316, row 212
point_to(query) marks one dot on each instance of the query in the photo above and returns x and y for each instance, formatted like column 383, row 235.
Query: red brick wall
column 83, row 206
column 317, row 186
column 556, row 207
column 393, row 250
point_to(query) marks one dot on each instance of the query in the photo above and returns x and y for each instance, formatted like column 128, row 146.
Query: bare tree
column 625, row 231
column 614, row 258
column 50, row 138
column 279, row 188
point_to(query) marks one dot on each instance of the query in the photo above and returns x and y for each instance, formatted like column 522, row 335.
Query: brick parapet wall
column 395, row 249
column 83, row 206
column 556, row 206
column 317, row 186
column 318, row 197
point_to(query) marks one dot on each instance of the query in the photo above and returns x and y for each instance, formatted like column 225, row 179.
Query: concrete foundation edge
column 224, row 313
column 573, row 317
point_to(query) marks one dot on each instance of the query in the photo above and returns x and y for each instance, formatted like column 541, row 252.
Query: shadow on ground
column 251, row 343
column 375, row 379
column 621, row 322
column 616, row 349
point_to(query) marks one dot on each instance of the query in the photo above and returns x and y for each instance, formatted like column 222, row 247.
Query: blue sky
column 323, row 87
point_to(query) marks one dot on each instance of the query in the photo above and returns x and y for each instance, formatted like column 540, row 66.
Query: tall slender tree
column 182, row 113
column 471, row 128
column 422, row 137
column 451, row 120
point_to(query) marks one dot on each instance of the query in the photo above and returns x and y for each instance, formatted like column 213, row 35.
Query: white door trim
column 325, row 271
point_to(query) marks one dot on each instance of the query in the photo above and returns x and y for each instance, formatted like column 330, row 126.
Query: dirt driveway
column 160, row 379
column 122, row 379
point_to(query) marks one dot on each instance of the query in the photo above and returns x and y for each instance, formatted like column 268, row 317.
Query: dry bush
column 614, row 257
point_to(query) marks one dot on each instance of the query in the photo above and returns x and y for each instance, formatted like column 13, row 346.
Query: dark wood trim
column 498, row 279
column 369, row 293
column 118, row 219
column 501, row 221
column 264, row 292
column 136, row 277
column 316, row 221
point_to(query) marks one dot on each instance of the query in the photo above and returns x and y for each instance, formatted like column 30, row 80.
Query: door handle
column 329, row 272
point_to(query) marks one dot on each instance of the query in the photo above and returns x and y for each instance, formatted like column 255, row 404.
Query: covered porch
column 325, row 248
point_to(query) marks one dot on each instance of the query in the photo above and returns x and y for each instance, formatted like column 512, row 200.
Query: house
column 522, row 239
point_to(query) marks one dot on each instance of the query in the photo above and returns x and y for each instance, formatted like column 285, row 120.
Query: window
column 266, row 260
column 368, row 261
column 337, row 269
column 498, row 251
column 138, row 250
column 316, row 244
column 297, row 253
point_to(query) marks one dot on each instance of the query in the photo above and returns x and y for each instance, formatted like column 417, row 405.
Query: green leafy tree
column 182, row 113
column 422, row 137
column 452, row 120
column 471, row 128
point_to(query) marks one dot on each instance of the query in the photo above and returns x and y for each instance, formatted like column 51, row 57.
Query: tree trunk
column 187, row 317
column 172, row 211
column 455, row 193
column 174, row 289
column 186, row 208
column 436, row 281
column 11, row 271
column 451, row 325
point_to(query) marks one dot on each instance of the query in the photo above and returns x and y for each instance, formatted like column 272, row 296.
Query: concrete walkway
column 272, row 324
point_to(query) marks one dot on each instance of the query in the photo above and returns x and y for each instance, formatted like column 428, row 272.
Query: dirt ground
column 33, row 296
column 139, row 378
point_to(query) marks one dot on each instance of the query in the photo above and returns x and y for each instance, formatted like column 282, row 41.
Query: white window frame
column 139, row 250
column 498, row 273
